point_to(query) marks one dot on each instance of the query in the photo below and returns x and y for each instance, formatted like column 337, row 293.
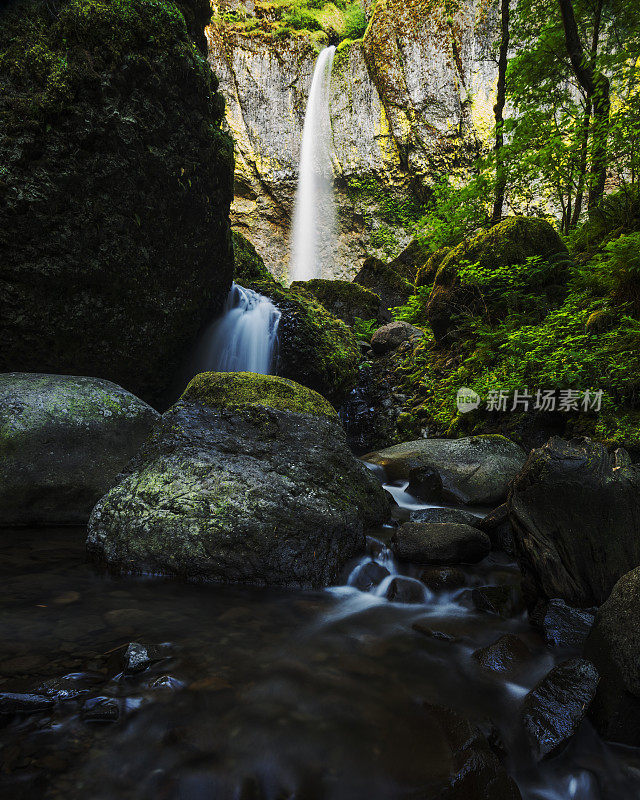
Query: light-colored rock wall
column 413, row 99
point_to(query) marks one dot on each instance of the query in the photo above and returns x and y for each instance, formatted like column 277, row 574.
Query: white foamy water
column 243, row 339
column 313, row 239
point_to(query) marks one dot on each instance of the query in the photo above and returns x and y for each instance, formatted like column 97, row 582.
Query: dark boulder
column 370, row 575
column 247, row 479
column 425, row 483
column 509, row 655
column 64, row 441
column 614, row 647
column 405, row 590
column 115, row 194
column 392, row 335
column 506, row 601
column 459, row 515
column 555, row 707
column 476, row 771
column 439, row 543
column 576, row 522
column 564, row 626
column 443, row 579
column 20, row 703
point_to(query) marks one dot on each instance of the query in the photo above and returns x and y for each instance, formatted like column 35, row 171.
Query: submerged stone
column 247, row 479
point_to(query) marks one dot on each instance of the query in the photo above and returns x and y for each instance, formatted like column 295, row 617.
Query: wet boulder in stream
column 575, row 514
column 474, row 470
column 614, row 647
column 555, row 707
column 247, row 479
column 439, row 543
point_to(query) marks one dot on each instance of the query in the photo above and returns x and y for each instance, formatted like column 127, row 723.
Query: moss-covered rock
column 427, row 272
column 388, row 284
column 410, row 260
column 63, row 442
column 248, row 266
column 115, row 189
column 229, row 489
column 344, row 299
column 511, row 242
column 247, row 389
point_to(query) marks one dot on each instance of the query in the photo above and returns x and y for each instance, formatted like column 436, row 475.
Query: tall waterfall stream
column 313, row 233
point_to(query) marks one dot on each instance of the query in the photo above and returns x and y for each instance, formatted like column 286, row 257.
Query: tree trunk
column 498, row 110
column 582, row 166
column 596, row 87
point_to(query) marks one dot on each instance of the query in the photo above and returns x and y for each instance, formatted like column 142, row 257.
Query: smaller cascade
column 313, row 239
column 243, row 339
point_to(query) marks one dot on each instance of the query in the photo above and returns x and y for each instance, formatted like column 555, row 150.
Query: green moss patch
column 241, row 389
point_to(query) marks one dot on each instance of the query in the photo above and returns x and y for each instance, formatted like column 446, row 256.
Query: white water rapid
column 313, row 238
column 243, row 339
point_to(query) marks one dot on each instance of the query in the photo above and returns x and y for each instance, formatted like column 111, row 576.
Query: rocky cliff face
column 412, row 99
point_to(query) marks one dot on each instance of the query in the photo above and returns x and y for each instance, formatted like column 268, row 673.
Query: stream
column 261, row 693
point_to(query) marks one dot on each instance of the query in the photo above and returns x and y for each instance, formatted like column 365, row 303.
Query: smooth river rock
column 439, row 543
column 555, row 707
column 474, row 470
column 575, row 516
column 247, row 479
column 64, row 440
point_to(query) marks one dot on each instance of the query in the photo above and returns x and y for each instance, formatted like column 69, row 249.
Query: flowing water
column 243, row 339
column 313, row 238
column 261, row 693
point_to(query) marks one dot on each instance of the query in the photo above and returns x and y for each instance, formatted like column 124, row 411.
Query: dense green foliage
column 586, row 337
column 282, row 19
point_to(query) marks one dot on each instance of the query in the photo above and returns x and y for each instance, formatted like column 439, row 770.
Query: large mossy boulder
column 474, row 470
column 382, row 279
column 614, row 647
column 511, row 242
column 315, row 348
column 63, row 442
column 575, row 514
column 247, row 479
column 116, row 184
column 343, row 299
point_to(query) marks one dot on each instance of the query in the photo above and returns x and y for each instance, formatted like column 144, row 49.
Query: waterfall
column 313, row 238
column 243, row 339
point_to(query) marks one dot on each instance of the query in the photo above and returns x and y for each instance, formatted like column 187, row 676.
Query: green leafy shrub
column 299, row 19
column 355, row 21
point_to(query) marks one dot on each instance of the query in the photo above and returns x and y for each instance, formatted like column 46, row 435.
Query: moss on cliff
column 344, row 299
column 241, row 389
column 115, row 187
column 248, row 264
